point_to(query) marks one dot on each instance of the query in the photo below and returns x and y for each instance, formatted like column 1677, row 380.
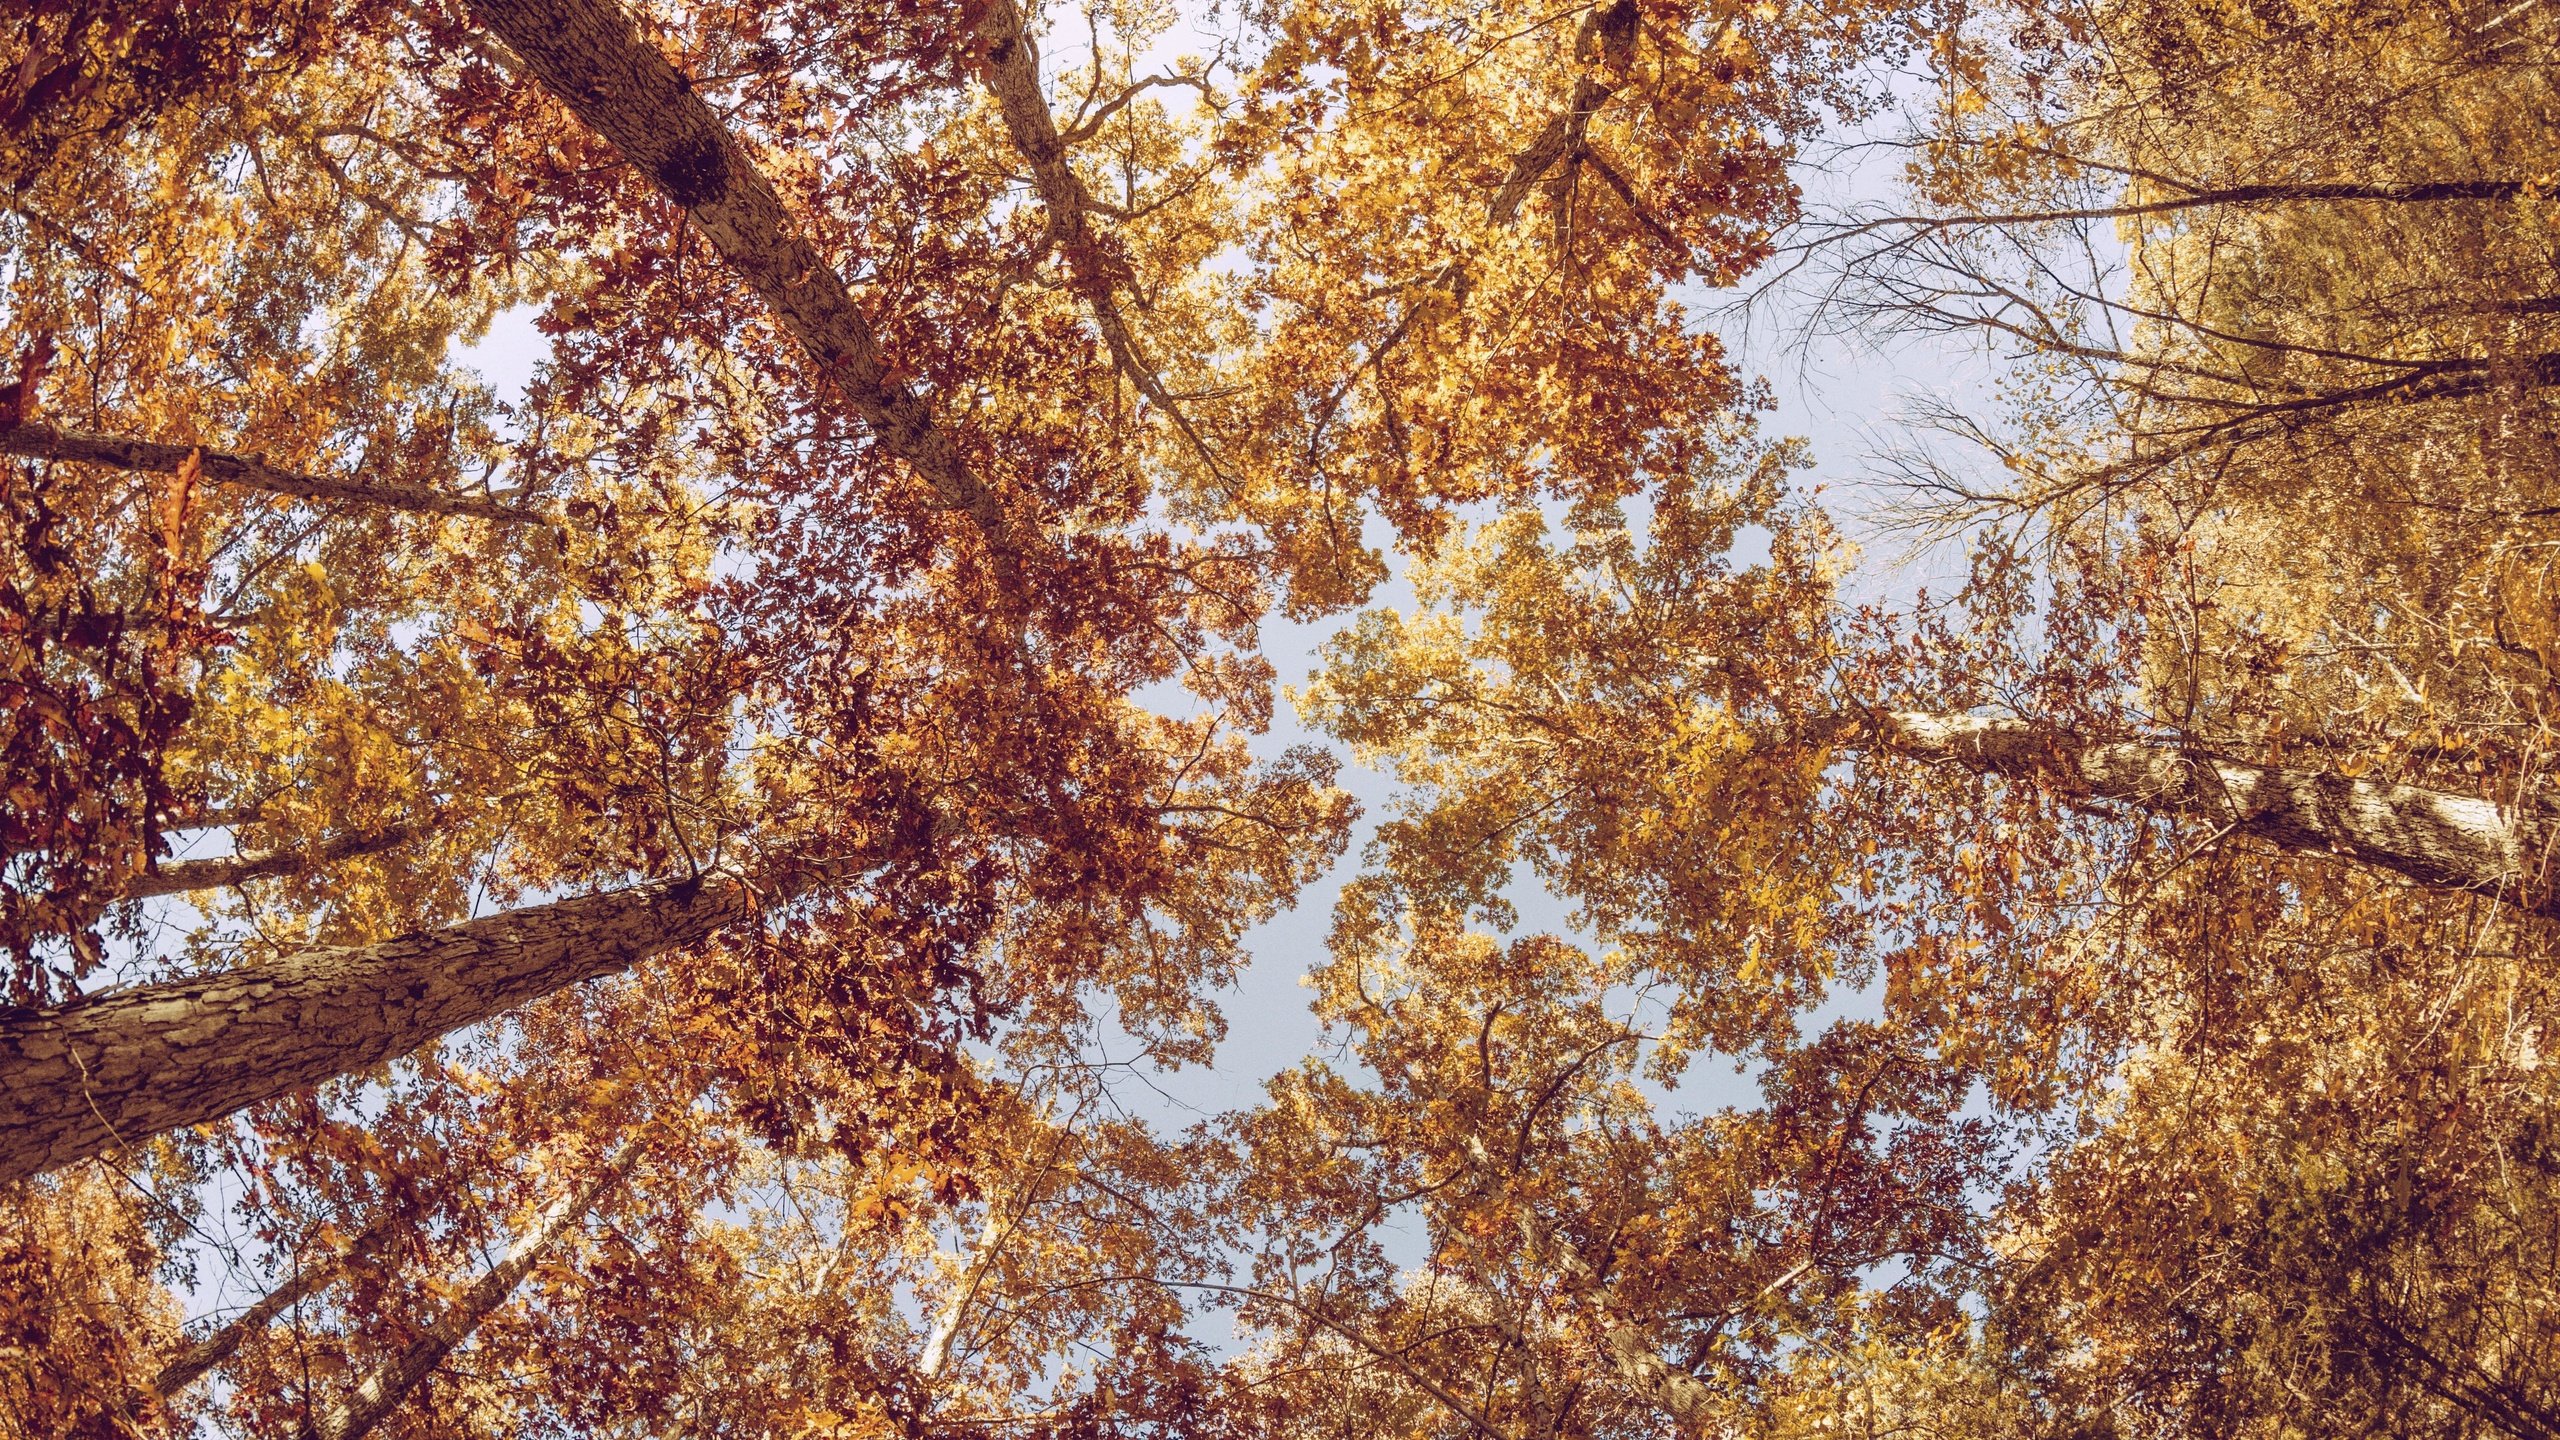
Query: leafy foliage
column 1752, row 1012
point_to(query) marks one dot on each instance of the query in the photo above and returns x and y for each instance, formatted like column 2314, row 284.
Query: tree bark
column 45, row 442
column 955, row 1308
column 588, row 54
column 82, row 1078
column 1688, row 1400
column 180, row 876
column 219, row 1346
column 382, row 1391
column 2438, row 838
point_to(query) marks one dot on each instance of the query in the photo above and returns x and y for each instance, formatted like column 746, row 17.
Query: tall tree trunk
column 45, row 442
column 2438, row 838
column 381, row 1392
column 588, row 54
column 82, row 1078
column 219, row 1346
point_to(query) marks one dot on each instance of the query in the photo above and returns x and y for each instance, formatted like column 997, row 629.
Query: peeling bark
column 2439, row 838
column 45, row 442
column 86, row 1077
column 589, row 56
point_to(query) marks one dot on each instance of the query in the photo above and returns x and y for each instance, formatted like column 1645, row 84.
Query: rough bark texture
column 217, row 1347
column 382, row 1391
column 179, row 876
column 83, row 1078
column 589, row 55
column 2435, row 837
column 45, row 442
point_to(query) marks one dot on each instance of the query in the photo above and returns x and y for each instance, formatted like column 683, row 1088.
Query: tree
column 2298, row 448
column 670, row 705
column 384, row 1390
column 807, row 737
column 83, row 1312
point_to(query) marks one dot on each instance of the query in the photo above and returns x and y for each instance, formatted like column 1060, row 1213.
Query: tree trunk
column 1688, row 1400
column 955, row 1308
column 382, row 1391
column 2424, row 192
column 589, row 56
column 1607, row 34
column 83, row 1078
column 217, row 1347
column 2440, row 839
column 45, row 442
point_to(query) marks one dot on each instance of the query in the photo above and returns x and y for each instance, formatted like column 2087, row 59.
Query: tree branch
column 590, row 57
column 381, row 1392
column 45, row 442
column 1012, row 75
column 180, row 876
column 2426, row 192
column 1610, row 31
column 217, row 1347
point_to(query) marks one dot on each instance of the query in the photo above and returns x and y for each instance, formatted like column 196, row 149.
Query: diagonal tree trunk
column 2439, row 838
column 1688, row 1400
column 955, row 1308
column 381, row 1392
column 219, row 1346
column 82, row 1078
column 2184, row 197
column 588, row 54
column 45, row 442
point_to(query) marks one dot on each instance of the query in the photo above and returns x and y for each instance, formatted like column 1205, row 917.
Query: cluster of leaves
column 94, row 688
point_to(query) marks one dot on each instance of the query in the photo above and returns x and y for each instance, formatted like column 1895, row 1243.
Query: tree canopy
column 664, row 902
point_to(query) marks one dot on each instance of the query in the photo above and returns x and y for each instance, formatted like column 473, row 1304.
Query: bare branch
column 219, row 1346
column 1091, row 125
